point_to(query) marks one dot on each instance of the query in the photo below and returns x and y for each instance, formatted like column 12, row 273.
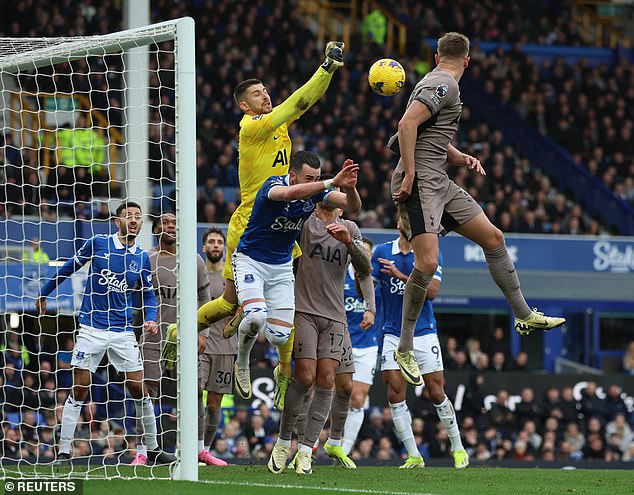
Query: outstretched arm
column 346, row 178
column 71, row 266
column 261, row 126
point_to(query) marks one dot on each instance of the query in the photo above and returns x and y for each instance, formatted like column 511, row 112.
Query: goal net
column 89, row 123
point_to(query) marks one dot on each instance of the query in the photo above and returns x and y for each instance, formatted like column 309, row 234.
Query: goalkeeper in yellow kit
column 264, row 150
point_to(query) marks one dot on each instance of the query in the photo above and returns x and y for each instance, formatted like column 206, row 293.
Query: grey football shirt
column 439, row 92
column 216, row 343
column 322, row 269
column 166, row 289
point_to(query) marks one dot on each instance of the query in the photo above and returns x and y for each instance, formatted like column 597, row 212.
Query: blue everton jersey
column 274, row 226
column 355, row 307
column 392, row 290
column 116, row 273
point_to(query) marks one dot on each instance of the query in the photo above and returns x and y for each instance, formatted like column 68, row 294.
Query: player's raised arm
column 82, row 257
column 348, row 199
column 346, row 178
column 264, row 123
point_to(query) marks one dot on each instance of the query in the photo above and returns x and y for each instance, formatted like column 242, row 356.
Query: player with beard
column 119, row 268
column 165, row 283
column 265, row 151
column 216, row 354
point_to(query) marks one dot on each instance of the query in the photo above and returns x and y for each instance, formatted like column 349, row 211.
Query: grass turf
column 246, row 480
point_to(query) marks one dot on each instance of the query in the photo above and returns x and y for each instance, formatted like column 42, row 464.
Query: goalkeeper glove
column 334, row 56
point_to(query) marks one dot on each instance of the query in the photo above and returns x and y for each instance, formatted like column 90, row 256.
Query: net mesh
column 64, row 167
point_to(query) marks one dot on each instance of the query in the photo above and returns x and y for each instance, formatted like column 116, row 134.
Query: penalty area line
column 301, row 487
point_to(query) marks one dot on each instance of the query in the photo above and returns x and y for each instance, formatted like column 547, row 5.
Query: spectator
column 613, row 404
column 533, row 438
column 439, row 445
column 500, row 416
column 595, row 448
column 474, row 352
column 591, row 405
column 570, row 408
column 619, row 427
column 498, row 363
column 551, row 403
column 12, row 389
column 520, row 363
column 527, row 409
column 12, row 447
column 449, row 352
column 574, row 437
column 373, row 426
column 496, row 342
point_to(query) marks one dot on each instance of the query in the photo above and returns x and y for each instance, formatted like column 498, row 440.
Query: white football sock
column 70, row 416
column 403, row 425
column 145, row 411
column 447, row 416
column 351, row 428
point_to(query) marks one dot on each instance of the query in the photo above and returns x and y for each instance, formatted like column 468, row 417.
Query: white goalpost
column 73, row 143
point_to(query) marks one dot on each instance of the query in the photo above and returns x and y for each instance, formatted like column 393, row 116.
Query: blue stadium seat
column 14, row 419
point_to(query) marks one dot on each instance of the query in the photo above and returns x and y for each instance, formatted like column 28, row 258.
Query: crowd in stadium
column 586, row 109
column 271, row 42
column 544, row 23
column 554, row 427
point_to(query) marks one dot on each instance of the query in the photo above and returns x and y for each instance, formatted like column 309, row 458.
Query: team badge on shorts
column 80, row 355
column 249, row 279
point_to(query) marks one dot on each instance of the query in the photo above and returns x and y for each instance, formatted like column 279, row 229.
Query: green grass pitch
column 325, row 480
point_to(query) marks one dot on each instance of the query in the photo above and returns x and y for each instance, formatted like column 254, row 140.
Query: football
column 386, row 77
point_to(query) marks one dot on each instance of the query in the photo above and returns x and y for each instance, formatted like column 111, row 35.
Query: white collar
column 119, row 245
column 395, row 247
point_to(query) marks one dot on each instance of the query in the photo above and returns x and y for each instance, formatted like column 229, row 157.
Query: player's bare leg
column 481, row 231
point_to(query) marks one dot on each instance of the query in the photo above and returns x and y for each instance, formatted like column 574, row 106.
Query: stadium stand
column 268, row 40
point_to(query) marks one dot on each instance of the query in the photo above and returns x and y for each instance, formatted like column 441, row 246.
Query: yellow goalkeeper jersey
column 264, row 147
